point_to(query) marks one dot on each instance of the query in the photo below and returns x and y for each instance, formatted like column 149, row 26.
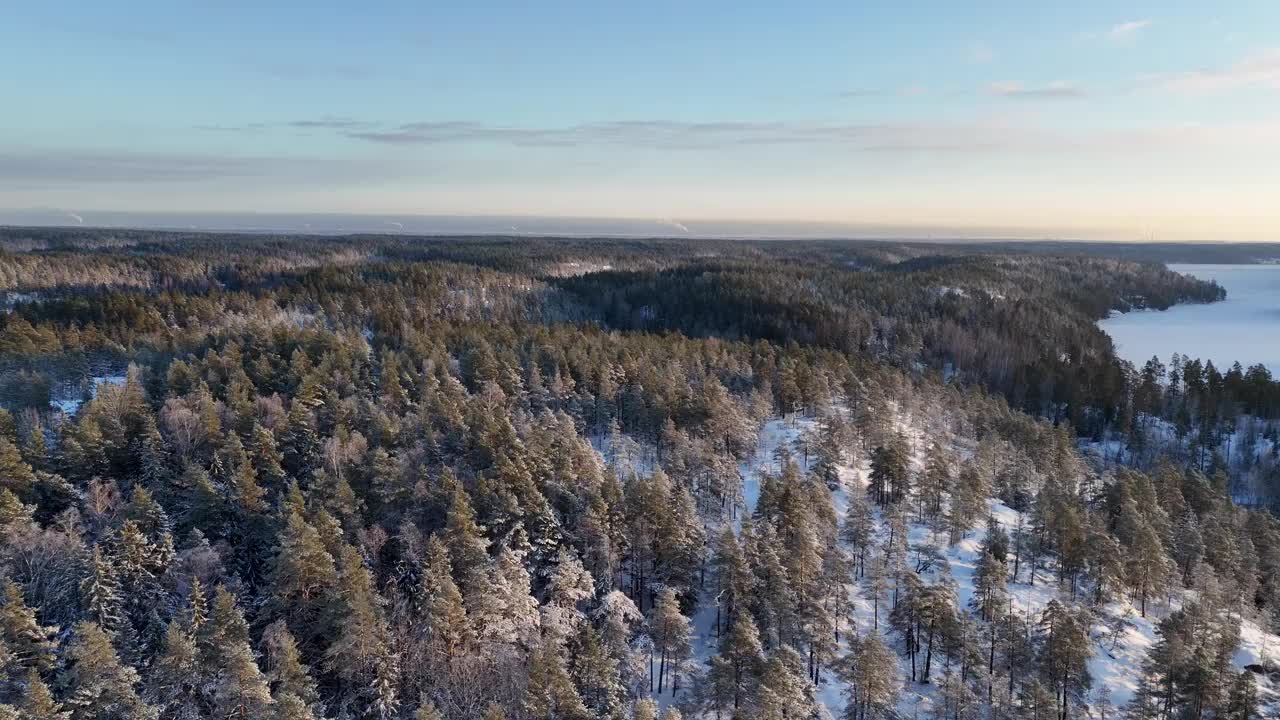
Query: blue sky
column 1092, row 119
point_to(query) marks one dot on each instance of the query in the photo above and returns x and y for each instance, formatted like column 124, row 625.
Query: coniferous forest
column 295, row 477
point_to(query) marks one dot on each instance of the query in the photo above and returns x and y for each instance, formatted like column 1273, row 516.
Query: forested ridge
column 533, row 478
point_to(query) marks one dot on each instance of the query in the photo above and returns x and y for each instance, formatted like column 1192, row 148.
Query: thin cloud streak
column 27, row 168
column 981, row 53
column 1124, row 33
column 323, row 123
column 1127, row 31
column 670, row 135
column 993, row 136
column 1054, row 90
column 1260, row 69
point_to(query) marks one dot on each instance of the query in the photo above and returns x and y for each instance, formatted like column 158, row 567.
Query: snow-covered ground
column 775, row 433
column 1118, row 655
column 69, row 405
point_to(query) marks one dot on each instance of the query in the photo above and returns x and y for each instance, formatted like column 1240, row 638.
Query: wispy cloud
column 246, row 128
column 860, row 93
column 1260, row 69
column 1053, row 91
column 981, row 53
column 322, row 123
column 671, row 135
column 977, row 137
column 1122, row 33
column 330, row 123
column 1127, row 31
column 28, row 168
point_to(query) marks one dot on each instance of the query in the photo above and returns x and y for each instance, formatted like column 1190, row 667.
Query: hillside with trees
column 537, row 478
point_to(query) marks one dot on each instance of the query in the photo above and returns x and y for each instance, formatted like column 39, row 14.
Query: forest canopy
column 395, row 477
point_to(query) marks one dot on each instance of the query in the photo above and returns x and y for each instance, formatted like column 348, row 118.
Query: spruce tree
column 445, row 624
column 102, row 595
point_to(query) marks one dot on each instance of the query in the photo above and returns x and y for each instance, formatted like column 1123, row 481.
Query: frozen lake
column 1244, row 327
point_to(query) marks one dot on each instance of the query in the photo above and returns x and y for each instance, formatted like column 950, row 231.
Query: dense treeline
column 1022, row 326
column 362, row 478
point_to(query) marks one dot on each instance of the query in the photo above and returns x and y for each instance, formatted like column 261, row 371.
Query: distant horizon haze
column 337, row 223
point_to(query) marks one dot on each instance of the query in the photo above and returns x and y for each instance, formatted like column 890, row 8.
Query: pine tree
column 300, row 442
column 197, row 609
column 595, row 673
column 645, row 709
column 16, row 475
column 1243, row 700
column 784, row 690
column 468, row 549
column 735, row 671
column 386, row 481
column 30, row 645
column 858, row 530
column 290, row 707
column 989, row 586
column 241, row 689
column 1188, row 545
column 671, row 636
column 149, row 516
column 1147, row 566
column 174, row 684
column 444, row 615
column 13, row 514
column 550, row 694
column 426, row 711
column 286, row 673
column 1189, row 669
column 507, row 614
column 302, row 576
column 139, row 565
column 1064, row 653
column 361, row 652
column 102, row 594
column 890, row 477
column 226, row 627
column 98, row 686
column 967, row 500
column 935, row 483
column 38, row 702
column 569, row 587
column 1106, row 565
column 266, row 458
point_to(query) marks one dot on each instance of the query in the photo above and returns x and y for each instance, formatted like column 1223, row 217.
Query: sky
column 1091, row 120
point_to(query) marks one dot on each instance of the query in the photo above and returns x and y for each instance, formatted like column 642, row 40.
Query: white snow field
column 1117, row 658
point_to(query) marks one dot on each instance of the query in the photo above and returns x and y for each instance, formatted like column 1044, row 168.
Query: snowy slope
column 775, row 433
column 1117, row 660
